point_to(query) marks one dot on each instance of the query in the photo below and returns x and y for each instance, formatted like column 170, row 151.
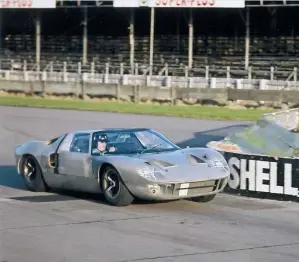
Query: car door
column 73, row 155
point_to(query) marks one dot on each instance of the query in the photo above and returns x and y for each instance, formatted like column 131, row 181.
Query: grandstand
column 219, row 38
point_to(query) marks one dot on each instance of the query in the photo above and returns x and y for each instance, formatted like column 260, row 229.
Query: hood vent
column 194, row 160
column 159, row 163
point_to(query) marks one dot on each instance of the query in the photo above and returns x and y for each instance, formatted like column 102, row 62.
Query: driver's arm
column 112, row 149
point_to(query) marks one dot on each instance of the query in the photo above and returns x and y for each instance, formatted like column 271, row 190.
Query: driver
column 101, row 144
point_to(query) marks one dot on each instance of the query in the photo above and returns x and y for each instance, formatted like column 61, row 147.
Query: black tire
column 32, row 175
column 203, row 199
column 118, row 195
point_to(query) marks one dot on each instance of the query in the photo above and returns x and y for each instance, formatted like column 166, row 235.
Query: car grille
column 196, row 188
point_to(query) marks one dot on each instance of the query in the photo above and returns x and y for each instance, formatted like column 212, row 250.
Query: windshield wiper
column 149, row 148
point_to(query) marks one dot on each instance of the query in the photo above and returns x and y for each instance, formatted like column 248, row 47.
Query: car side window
column 80, row 143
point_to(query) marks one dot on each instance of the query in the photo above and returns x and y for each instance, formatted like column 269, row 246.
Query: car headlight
column 147, row 172
column 218, row 164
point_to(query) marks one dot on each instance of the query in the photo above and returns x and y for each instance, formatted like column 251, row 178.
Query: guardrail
column 201, row 69
column 154, row 87
column 146, row 80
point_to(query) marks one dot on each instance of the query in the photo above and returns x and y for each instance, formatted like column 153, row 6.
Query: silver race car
column 122, row 164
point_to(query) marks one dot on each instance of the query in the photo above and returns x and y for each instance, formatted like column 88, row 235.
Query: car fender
column 126, row 167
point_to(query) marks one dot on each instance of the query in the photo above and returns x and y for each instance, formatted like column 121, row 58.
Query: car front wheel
column 114, row 189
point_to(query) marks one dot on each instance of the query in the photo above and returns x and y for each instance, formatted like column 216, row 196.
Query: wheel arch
column 101, row 170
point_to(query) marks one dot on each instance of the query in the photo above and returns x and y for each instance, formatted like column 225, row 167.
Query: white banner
column 27, row 4
column 198, row 3
column 126, row 3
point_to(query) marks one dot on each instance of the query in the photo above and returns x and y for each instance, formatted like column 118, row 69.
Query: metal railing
column 63, row 75
column 159, row 69
column 167, row 88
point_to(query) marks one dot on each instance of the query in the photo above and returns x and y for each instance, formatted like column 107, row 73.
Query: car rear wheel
column 114, row 189
column 32, row 175
column 203, row 199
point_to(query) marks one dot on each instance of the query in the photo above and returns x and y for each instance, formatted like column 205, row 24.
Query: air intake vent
column 195, row 160
column 159, row 163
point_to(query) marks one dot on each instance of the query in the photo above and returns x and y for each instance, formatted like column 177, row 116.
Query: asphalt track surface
column 70, row 227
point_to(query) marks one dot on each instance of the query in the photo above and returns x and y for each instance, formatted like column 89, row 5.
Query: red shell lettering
column 185, row 3
column 205, row 2
column 16, row 3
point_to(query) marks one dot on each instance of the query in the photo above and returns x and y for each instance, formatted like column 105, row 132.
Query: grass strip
column 200, row 112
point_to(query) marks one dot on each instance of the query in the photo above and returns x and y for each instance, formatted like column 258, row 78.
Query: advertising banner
column 263, row 174
column 198, row 3
column 181, row 3
column 127, row 3
column 27, row 4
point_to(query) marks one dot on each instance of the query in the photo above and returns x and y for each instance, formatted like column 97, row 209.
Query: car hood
column 173, row 158
column 182, row 166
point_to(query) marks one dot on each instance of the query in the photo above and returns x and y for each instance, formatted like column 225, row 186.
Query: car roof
column 111, row 130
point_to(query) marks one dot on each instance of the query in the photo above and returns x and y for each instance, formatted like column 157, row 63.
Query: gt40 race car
column 122, row 164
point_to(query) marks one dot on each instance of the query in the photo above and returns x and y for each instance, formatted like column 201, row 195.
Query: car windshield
column 130, row 142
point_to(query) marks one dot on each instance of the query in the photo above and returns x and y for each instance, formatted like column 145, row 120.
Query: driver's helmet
column 100, row 142
column 102, row 138
column 99, row 138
